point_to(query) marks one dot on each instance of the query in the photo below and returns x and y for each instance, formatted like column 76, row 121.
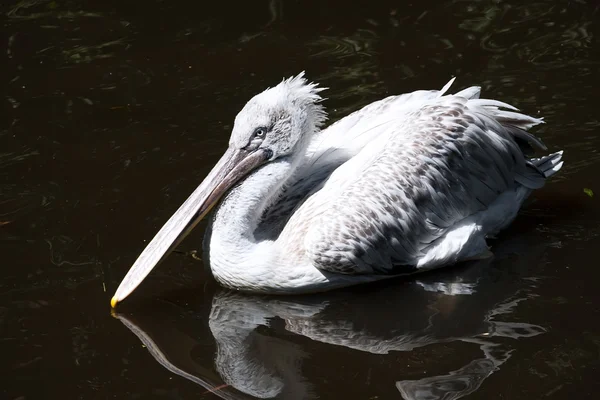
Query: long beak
column 234, row 165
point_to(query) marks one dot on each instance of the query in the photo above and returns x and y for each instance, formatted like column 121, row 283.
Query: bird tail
column 537, row 170
column 550, row 164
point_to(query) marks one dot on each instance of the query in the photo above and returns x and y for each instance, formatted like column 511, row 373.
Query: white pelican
column 406, row 184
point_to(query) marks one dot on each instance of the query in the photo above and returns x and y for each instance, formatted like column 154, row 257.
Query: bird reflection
column 261, row 342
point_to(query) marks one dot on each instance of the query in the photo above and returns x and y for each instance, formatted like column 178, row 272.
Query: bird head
column 276, row 123
column 281, row 119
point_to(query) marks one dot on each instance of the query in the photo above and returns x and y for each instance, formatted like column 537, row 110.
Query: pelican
column 406, row 184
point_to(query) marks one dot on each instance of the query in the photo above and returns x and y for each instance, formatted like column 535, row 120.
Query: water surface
column 113, row 112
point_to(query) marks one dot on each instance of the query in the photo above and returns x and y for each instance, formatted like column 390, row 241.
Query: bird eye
column 260, row 132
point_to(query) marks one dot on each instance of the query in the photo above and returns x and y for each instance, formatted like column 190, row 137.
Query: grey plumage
column 436, row 166
column 405, row 184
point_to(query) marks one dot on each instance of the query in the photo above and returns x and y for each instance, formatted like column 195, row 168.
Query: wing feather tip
column 446, row 87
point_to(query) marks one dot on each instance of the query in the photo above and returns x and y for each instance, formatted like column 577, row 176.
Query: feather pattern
column 407, row 183
column 436, row 161
column 337, row 144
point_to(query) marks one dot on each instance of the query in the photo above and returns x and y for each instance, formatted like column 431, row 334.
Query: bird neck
column 237, row 258
column 240, row 211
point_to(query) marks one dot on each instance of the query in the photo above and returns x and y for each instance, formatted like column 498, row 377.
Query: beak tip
column 113, row 302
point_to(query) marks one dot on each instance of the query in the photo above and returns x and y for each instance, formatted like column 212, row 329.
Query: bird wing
column 425, row 167
column 333, row 147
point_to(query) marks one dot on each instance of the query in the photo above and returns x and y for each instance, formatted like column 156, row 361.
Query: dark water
column 112, row 112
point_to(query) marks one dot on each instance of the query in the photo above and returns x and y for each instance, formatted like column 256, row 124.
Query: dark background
column 113, row 111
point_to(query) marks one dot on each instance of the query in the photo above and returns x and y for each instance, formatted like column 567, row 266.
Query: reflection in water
column 254, row 363
column 458, row 383
column 257, row 356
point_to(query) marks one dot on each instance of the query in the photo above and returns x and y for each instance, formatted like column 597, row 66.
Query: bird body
column 405, row 184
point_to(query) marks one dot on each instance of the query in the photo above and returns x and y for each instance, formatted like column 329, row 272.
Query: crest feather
column 306, row 94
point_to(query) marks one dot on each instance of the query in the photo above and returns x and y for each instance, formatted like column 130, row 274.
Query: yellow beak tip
column 113, row 302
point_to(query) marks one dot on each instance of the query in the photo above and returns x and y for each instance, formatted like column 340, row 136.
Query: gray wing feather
column 442, row 163
column 277, row 215
column 331, row 148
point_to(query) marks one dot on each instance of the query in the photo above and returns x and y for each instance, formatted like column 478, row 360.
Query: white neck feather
column 237, row 259
column 239, row 213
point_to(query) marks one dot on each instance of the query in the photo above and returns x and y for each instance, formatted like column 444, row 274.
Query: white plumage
column 406, row 184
